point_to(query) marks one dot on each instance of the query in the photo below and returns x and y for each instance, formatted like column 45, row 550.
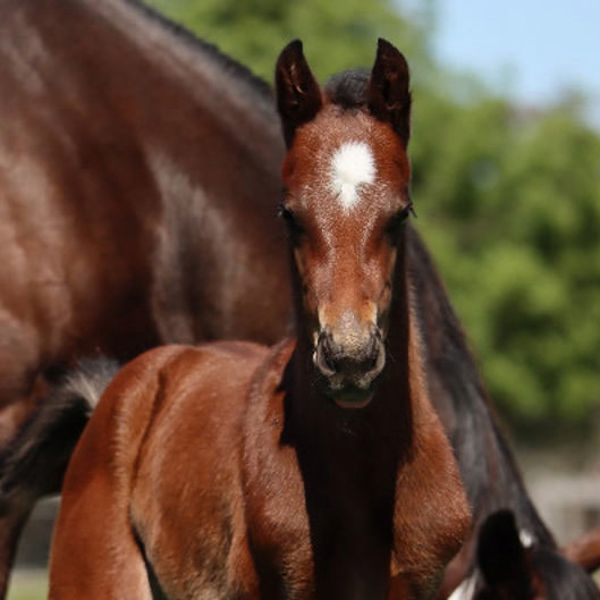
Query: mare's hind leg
column 33, row 464
column 11, row 527
column 16, row 501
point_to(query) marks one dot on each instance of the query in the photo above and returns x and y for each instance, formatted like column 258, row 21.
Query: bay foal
column 318, row 468
column 129, row 159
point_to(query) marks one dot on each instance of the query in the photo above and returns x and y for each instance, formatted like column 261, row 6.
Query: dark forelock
column 348, row 89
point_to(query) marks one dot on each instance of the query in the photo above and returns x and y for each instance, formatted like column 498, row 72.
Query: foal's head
column 346, row 196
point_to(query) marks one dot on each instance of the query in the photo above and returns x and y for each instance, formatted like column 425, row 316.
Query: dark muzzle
column 350, row 363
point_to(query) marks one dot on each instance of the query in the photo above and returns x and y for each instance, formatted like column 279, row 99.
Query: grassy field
column 28, row 585
column 33, row 584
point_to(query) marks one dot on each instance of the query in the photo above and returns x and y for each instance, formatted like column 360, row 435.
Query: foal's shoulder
column 183, row 357
column 234, row 349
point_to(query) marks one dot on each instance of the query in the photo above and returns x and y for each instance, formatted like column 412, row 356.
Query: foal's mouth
column 353, row 402
column 349, row 394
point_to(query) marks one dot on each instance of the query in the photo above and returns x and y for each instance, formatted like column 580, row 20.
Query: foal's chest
column 281, row 548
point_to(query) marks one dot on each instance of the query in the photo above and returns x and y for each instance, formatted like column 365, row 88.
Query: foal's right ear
column 298, row 93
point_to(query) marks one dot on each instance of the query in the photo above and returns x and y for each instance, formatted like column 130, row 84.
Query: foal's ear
column 500, row 555
column 298, row 93
column 388, row 95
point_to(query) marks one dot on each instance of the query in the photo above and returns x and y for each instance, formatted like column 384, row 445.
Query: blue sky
column 533, row 49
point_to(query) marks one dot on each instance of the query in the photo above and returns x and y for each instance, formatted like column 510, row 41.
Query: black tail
column 34, row 464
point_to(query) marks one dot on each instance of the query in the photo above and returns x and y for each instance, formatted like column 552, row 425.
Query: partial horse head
column 346, row 185
column 518, row 569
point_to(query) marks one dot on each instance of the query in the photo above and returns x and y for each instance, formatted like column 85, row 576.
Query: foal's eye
column 395, row 223
column 293, row 225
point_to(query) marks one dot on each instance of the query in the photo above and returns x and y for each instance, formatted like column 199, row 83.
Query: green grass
column 28, row 584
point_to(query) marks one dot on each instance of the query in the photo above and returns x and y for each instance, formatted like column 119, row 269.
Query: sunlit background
column 535, row 52
column 506, row 182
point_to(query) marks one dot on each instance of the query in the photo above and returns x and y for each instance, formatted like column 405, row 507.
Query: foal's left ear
column 388, row 95
column 298, row 93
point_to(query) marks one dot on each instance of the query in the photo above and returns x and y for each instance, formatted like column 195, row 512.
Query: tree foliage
column 513, row 215
column 337, row 35
column 509, row 200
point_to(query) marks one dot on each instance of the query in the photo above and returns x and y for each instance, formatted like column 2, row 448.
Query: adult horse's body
column 125, row 161
column 128, row 154
column 317, row 470
column 124, row 164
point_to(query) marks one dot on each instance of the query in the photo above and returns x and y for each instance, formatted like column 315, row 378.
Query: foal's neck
column 349, row 461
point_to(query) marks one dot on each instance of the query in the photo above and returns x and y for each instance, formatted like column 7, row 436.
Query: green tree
column 512, row 205
column 337, row 35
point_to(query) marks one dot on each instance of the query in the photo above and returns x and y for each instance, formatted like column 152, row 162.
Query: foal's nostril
column 368, row 362
column 372, row 353
column 371, row 362
column 325, row 355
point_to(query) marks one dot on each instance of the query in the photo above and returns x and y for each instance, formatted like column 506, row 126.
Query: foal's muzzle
column 350, row 364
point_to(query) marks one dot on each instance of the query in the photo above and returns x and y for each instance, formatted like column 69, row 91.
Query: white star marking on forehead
column 352, row 165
